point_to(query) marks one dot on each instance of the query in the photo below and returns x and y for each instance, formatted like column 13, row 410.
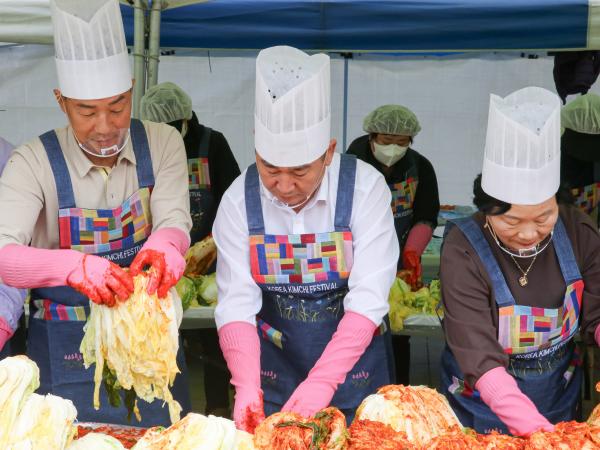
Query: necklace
column 523, row 280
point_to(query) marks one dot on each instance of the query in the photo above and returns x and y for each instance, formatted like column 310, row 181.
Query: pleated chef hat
column 90, row 49
column 292, row 115
column 522, row 148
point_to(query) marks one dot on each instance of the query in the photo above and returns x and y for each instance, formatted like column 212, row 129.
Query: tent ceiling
column 365, row 25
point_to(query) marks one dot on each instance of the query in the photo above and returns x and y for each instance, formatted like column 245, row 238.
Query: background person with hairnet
column 580, row 146
column 415, row 200
column 211, row 169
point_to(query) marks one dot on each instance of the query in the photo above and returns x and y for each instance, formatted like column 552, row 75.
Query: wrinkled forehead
column 532, row 212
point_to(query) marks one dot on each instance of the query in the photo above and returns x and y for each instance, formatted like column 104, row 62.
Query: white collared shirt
column 375, row 243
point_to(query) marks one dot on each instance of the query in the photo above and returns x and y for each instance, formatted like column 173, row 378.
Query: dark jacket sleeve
column 223, row 167
column 427, row 199
column 471, row 333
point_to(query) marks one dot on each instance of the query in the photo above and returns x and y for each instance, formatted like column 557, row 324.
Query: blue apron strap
column 204, row 142
column 254, row 214
column 62, row 179
column 141, row 149
column 564, row 252
column 345, row 192
column 473, row 233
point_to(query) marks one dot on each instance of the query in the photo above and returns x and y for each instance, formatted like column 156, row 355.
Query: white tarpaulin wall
column 449, row 95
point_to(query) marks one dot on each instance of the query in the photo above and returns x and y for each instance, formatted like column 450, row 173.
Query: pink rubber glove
column 163, row 252
column 597, row 335
column 499, row 390
column 347, row 345
column 5, row 333
column 241, row 348
column 95, row 277
column 418, row 238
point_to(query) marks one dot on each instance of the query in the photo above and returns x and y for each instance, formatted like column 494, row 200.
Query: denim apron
column 6, row 350
column 587, row 197
column 202, row 207
column 403, row 199
column 304, row 279
column 58, row 314
column 543, row 357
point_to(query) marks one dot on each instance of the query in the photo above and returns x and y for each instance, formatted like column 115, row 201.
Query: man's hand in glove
column 163, row 253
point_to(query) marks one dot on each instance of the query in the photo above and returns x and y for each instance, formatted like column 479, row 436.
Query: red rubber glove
column 163, row 253
column 101, row 280
column 412, row 261
column 95, row 277
column 241, row 349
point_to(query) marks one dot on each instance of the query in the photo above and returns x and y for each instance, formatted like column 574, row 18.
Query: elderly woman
column 520, row 279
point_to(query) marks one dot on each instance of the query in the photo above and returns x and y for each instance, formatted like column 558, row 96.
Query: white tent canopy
column 28, row 21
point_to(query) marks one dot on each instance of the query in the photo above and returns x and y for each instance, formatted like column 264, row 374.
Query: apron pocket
column 270, row 334
column 485, row 425
column 369, row 374
column 278, row 375
column 54, row 346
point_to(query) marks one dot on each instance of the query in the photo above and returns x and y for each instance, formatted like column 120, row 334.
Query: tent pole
column 154, row 42
column 346, row 56
column 139, row 65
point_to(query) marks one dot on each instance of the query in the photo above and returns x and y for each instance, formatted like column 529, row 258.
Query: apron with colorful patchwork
column 304, row 279
column 543, row 357
column 202, row 202
column 403, row 199
column 587, row 199
column 59, row 314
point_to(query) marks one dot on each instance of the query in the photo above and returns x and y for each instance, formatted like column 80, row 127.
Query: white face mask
column 388, row 155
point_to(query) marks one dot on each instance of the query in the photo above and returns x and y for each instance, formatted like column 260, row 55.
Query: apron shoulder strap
column 204, row 142
column 345, row 192
column 62, row 179
column 473, row 233
column 254, row 214
column 141, row 149
column 413, row 167
column 564, row 252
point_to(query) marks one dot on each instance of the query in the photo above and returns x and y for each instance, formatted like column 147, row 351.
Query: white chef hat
column 90, row 49
column 292, row 116
column 522, row 148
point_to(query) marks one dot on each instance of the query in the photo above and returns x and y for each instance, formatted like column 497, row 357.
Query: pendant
column 523, row 281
